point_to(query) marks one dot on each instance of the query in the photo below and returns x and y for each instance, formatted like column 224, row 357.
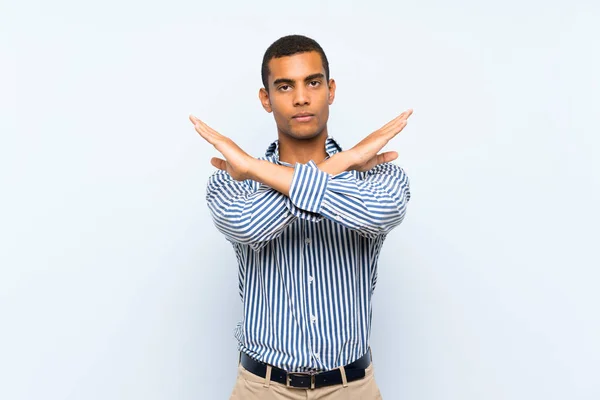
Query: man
column 307, row 222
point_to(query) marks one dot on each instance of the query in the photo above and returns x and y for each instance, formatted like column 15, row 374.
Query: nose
column 301, row 97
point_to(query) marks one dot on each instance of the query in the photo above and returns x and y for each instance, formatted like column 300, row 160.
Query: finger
column 397, row 124
column 395, row 128
column 386, row 157
column 400, row 117
column 197, row 122
column 212, row 130
column 211, row 135
column 205, row 128
column 392, row 122
column 408, row 113
column 205, row 131
column 219, row 163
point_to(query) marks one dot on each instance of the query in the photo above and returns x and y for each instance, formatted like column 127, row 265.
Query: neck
column 292, row 150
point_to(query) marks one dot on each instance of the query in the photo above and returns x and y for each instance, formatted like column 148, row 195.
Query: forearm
column 371, row 206
column 279, row 177
column 247, row 213
column 336, row 164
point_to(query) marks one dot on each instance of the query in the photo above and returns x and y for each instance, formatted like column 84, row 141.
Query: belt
column 308, row 380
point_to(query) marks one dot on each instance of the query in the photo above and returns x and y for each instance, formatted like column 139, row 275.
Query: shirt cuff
column 308, row 188
column 302, row 214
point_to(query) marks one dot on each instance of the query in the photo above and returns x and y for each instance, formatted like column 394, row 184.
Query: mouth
column 303, row 117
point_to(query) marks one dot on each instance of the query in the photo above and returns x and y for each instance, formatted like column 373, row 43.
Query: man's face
column 297, row 86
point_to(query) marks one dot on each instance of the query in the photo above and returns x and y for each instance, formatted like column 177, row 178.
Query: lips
column 303, row 117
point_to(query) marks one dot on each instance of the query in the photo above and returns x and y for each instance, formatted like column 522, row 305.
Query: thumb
column 386, row 157
column 219, row 163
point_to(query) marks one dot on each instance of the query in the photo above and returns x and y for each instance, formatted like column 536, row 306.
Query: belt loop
column 240, row 358
column 344, row 380
column 268, row 376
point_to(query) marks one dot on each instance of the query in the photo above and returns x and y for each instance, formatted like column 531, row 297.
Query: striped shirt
column 308, row 262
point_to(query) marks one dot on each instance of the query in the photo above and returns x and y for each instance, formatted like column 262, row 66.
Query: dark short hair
column 287, row 46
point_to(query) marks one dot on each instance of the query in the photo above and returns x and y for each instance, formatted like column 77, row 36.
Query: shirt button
column 338, row 217
column 316, row 356
column 310, row 279
column 307, row 240
column 313, row 319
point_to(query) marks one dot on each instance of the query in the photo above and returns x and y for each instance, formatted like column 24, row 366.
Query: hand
column 237, row 162
column 364, row 155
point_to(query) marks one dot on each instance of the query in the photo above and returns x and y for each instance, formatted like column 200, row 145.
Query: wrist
column 349, row 159
column 254, row 169
column 337, row 163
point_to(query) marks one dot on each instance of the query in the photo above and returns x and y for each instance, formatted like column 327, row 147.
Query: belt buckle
column 289, row 375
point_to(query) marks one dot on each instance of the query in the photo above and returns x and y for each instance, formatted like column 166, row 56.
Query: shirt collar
column 331, row 147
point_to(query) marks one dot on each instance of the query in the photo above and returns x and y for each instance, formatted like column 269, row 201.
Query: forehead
column 296, row 66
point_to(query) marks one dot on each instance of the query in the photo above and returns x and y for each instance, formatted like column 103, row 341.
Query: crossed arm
column 251, row 214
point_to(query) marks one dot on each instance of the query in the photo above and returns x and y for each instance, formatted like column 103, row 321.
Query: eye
column 315, row 82
column 283, row 87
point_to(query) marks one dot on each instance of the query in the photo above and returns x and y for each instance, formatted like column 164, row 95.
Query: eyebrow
column 291, row 81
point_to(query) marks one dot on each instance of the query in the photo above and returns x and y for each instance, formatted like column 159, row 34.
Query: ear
column 263, row 95
column 331, row 91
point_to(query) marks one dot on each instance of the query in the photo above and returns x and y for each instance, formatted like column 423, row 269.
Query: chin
column 306, row 133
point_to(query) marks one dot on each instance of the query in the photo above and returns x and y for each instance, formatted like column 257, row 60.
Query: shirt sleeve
column 249, row 212
column 371, row 205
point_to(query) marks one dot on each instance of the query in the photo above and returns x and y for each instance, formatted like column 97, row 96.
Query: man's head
column 295, row 75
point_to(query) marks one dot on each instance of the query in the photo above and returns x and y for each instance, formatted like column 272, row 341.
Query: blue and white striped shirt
column 308, row 262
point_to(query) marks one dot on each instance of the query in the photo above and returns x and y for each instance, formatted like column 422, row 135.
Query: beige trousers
column 252, row 387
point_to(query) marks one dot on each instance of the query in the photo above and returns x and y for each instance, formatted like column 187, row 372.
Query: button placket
column 308, row 274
